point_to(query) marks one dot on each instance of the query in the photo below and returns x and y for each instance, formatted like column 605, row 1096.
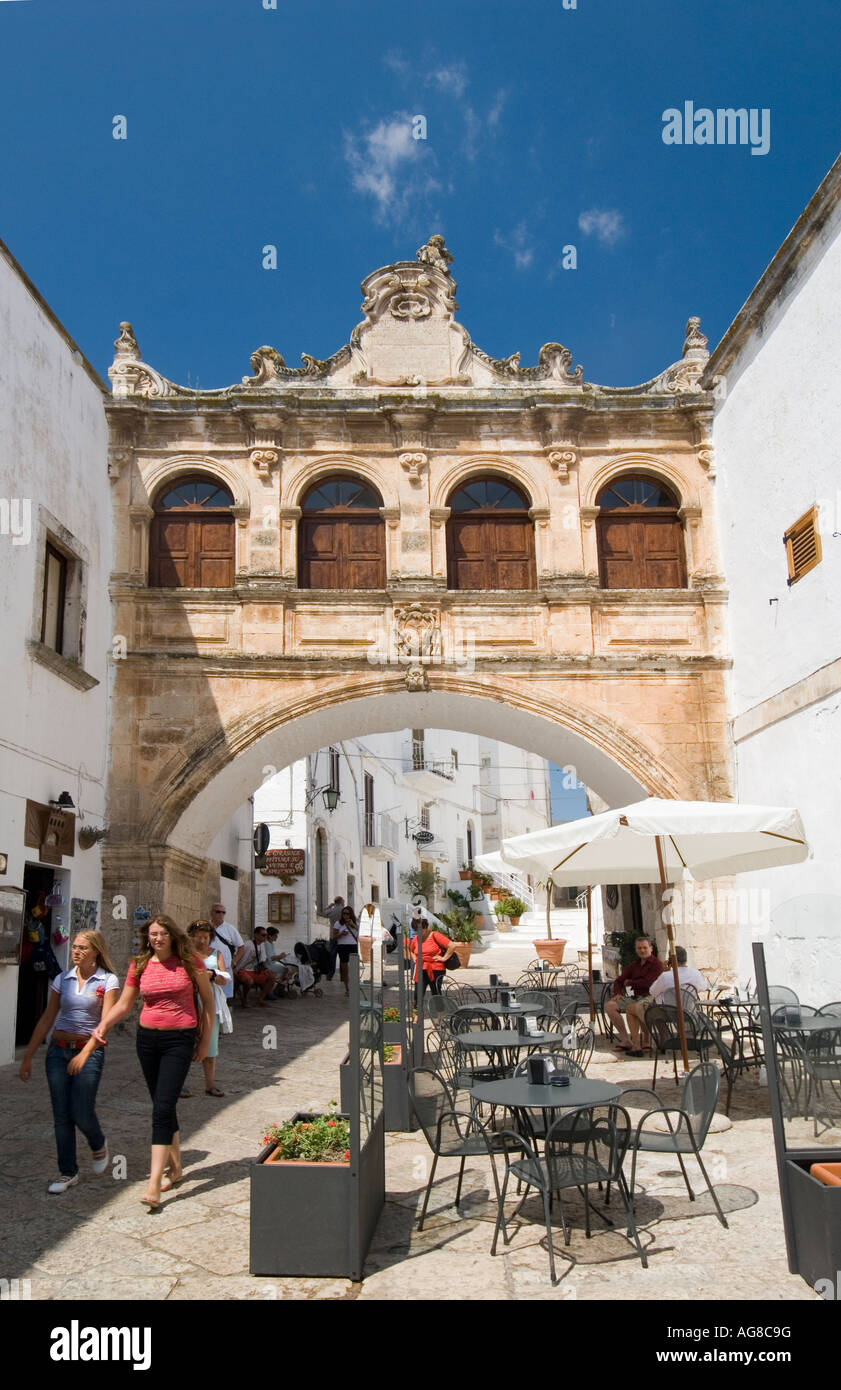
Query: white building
column 55, row 559
column 776, row 436
column 407, row 800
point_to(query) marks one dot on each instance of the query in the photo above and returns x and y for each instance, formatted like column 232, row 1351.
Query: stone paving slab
column 98, row 1242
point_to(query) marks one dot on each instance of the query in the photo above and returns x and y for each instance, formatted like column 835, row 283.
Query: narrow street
column 98, row 1242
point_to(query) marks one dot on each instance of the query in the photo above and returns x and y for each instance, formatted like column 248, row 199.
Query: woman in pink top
column 169, row 1036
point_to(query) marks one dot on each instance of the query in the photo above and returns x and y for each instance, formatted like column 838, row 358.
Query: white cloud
column 452, row 79
column 496, row 110
column 390, row 166
column 518, row 245
column 606, row 224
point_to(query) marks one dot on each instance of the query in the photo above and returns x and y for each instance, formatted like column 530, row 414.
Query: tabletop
column 811, row 1023
column 486, row 1038
column 518, row 1093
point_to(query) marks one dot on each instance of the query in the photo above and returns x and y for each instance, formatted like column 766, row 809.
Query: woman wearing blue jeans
column 80, row 999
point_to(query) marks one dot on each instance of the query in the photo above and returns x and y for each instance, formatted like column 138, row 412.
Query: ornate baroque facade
column 222, row 673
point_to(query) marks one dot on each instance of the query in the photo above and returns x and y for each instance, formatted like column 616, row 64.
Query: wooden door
column 191, row 551
column 490, row 552
column 346, row 552
column 640, row 551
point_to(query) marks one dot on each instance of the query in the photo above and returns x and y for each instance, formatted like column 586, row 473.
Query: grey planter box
column 393, row 1031
column 816, row 1216
column 395, row 1094
column 316, row 1219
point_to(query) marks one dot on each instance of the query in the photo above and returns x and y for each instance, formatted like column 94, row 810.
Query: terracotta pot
column 495, row 894
column 365, row 944
column 464, row 950
column 503, row 924
column 465, row 875
column 515, row 921
column 550, row 951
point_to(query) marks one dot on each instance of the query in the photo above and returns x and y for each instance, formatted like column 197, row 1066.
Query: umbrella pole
column 548, row 909
column 681, row 1025
column 590, row 953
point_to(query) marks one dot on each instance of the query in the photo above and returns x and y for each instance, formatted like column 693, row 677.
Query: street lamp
column 329, row 794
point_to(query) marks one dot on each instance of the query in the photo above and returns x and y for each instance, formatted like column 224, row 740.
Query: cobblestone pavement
column 98, row 1242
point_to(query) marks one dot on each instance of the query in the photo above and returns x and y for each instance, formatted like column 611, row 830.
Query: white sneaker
column 99, row 1165
column 61, row 1184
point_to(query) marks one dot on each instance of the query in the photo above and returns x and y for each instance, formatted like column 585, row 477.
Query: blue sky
column 249, row 127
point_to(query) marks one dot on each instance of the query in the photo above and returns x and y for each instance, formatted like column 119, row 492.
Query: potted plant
column 548, row 949
column 419, row 883
column 512, row 908
column 465, row 873
column 392, row 1026
column 462, row 929
column 483, row 881
column 302, row 1186
column 502, row 921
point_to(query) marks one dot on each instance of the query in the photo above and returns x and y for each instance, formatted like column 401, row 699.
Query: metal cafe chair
column 448, row 1133
column 661, row 1022
column 738, row 1043
column 688, row 1124
column 582, row 1149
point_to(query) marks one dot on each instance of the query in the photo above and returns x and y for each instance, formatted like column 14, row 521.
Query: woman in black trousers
column 169, row 1036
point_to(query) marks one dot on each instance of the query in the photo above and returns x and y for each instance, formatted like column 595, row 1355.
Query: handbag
column 453, row 962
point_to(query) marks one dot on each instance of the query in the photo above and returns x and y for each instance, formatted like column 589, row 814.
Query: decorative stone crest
column 410, row 306
column 417, row 630
column 415, row 465
column 129, row 376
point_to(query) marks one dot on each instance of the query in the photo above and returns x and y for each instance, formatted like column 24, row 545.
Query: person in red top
column 435, row 950
column 169, row 1036
column 639, row 975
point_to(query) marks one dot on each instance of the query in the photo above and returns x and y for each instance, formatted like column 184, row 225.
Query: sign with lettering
column 285, row 863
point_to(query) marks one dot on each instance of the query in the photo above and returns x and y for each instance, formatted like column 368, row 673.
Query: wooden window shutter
column 803, row 545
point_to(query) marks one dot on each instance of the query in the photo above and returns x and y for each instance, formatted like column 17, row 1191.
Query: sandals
column 151, row 1202
column 213, row 1091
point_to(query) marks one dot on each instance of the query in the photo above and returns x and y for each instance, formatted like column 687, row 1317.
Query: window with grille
column 803, row 546
column 424, row 815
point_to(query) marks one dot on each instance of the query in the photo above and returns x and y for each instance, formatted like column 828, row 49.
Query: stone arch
column 169, row 470
column 314, row 470
column 623, row 464
column 461, row 471
column 190, row 802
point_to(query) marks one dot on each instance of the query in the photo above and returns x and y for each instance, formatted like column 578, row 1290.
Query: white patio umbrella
column 662, row 841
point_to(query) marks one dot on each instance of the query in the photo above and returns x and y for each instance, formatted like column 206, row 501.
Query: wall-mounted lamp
column 330, row 795
column 64, row 802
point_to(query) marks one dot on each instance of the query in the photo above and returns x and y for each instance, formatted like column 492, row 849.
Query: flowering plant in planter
column 391, row 1015
column 323, row 1139
column 391, row 1052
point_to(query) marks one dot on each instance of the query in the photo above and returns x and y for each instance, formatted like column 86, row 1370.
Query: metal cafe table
column 519, row 1095
column 507, row 1040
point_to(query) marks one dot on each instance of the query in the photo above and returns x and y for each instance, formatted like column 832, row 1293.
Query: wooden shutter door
column 468, row 554
column 170, row 560
column 511, row 539
column 663, row 560
column 362, row 554
column 320, row 565
column 620, row 547
column 214, row 557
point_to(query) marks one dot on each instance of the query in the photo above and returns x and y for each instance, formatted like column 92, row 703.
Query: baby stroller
column 309, row 970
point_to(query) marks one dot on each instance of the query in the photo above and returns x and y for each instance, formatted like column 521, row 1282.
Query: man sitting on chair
column 639, row 975
column 689, row 977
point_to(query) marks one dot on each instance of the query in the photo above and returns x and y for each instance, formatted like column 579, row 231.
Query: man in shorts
column 638, row 977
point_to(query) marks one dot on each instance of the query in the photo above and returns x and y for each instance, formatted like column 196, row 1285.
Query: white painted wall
column 776, row 442
column 54, row 460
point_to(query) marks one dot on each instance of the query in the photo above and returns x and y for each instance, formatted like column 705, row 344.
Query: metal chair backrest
column 603, row 1131
column 469, row 1020
column 781, row 994
column 536, row 999
column 832, row 1010
column 699, row 1098
column 430, row 1098
column 578, row 1043
column 560, row 1059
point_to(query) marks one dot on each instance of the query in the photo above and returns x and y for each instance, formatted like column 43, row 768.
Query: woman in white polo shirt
column 80, row 1000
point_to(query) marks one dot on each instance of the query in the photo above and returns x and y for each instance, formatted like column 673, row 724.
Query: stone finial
column 694, row 337
column 125, row 347
column 435, row 253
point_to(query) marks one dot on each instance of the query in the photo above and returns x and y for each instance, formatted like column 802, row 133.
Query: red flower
column 347, row 1155
column 332, row 1124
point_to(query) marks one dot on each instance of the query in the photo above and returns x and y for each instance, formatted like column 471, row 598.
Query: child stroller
column 309, row 970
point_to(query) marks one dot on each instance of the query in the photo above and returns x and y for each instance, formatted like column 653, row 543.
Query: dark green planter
column 316, row 1220
column 816, row 1216
column 395, row 1094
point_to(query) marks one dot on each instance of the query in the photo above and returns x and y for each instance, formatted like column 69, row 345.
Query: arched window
column 640, row 538
column 320, row 872
column 191, row 543
column 490, row 537
column 341, row 540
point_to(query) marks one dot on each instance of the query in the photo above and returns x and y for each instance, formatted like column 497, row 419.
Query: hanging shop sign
column 285, row 863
